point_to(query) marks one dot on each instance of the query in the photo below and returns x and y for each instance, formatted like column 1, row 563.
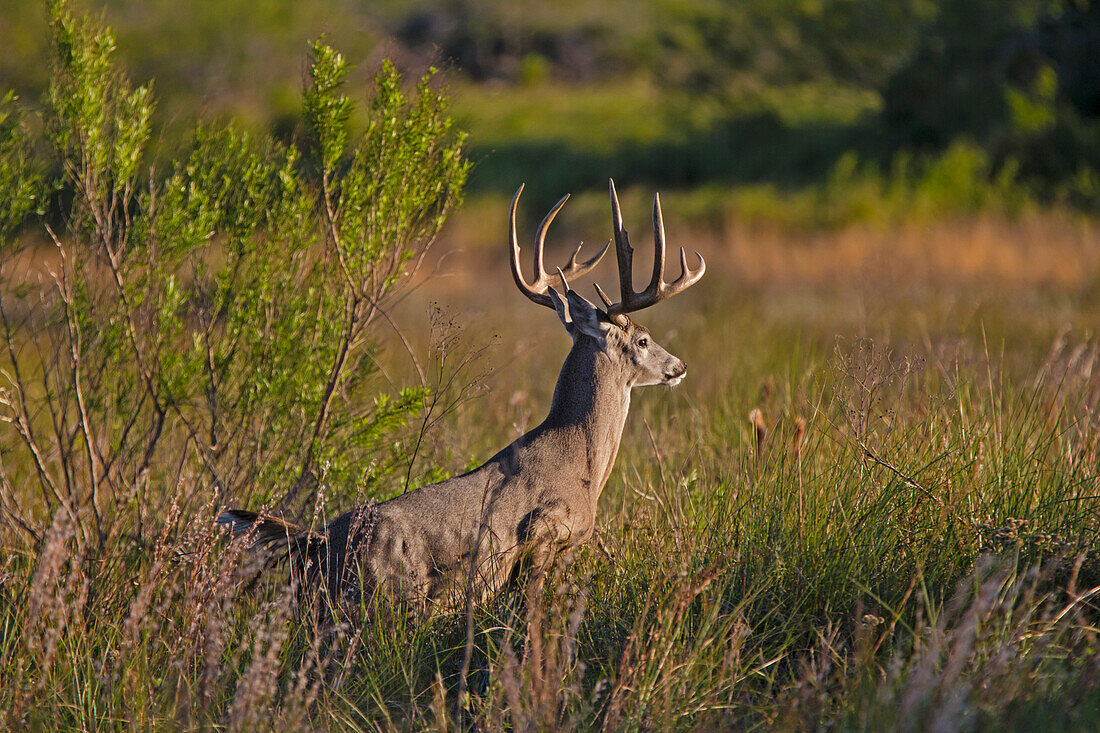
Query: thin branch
column 26, row 430
column 335, row 375
column 90, row 445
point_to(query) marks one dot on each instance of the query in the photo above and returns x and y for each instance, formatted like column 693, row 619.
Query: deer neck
column 588, row 413
column 592, row 392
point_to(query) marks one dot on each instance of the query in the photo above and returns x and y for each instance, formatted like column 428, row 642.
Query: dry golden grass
column 1037, row 249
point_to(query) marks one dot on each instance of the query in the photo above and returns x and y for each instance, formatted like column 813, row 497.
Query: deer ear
column 562, row 308
column 586, row 317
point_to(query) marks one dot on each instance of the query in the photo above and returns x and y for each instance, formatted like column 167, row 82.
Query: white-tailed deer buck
column 530, row 501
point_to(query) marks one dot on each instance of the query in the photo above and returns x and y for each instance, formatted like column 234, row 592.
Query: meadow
column 872, row 504
column 905, row 538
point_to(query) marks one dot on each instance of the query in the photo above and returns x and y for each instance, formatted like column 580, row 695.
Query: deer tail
column 275, row 537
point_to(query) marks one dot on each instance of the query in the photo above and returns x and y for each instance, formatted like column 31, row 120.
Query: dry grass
column 1057, row 250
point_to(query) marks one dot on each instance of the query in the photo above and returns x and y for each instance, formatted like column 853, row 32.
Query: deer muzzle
column 675, row 373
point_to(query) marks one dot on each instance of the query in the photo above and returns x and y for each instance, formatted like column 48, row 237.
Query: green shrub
column 212, row 327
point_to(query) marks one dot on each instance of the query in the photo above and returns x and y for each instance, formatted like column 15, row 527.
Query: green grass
column 597, row 117
column 592, row 118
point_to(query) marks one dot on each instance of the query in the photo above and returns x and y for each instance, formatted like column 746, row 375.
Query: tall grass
column 909, row 541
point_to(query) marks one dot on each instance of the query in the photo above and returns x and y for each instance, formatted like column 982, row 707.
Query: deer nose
column 676, row 371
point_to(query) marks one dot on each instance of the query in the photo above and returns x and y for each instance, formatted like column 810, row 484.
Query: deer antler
column 658, row 289
column 536, row 291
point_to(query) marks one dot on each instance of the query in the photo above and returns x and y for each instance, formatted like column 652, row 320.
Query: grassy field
column 872, row 505
column 905, row 538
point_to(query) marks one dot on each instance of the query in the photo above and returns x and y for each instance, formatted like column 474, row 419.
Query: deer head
column 610, row 330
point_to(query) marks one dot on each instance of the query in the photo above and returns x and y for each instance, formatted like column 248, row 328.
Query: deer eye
column 643, row 342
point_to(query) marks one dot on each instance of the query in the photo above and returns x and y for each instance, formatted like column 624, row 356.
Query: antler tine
column 603, row 296
column 537, row 290
column 576, row 269
column 687, row 277
column 540, row 241
column 658, row 247
column 624, row 253
column 564, row 282
column 517, row 274
column 657, row 285
column 657, row 289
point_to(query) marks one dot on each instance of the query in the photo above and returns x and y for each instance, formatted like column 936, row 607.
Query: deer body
column 532, row 500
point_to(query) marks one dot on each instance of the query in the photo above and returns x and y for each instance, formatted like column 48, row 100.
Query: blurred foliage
column 960, row 181
column 1020, row 77
column 19, row 181
column 661, row 92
